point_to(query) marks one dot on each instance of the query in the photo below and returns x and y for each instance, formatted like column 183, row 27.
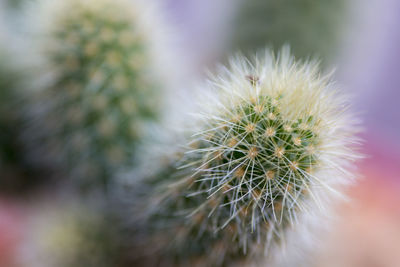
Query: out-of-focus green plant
column 68, row 235
column 310, row 27
column 15, row 174
column 15, row 4
column 8, row 143
column 98, row 87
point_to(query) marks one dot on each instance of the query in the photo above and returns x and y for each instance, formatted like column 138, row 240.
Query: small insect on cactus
column 102, row 89
column 274, row 140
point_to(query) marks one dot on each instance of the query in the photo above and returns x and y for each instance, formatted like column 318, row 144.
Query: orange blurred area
column 368, row 231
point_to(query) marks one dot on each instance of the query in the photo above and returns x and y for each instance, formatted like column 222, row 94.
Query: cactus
column 103, row 90
column 309, row 26
column 274, row 140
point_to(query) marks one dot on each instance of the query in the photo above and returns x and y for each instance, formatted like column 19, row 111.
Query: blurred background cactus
column 14, row 4
column 311, row 27
column 270, row 148
column 76, row 235
column 98, row 88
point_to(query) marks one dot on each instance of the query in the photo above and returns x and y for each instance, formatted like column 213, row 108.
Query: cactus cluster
column 103, row 90
column 272, row 142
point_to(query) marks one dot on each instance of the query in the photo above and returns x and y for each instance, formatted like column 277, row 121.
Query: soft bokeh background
column 363, row 46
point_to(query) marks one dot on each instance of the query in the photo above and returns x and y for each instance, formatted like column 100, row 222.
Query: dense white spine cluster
column 274, row 142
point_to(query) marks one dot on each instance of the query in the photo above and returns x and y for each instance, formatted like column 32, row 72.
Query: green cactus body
column 104, row 90
column 259, row 161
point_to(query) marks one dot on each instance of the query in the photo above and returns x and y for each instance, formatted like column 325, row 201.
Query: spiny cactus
column 309, row 26
column 274, row 140
column 104, row 85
